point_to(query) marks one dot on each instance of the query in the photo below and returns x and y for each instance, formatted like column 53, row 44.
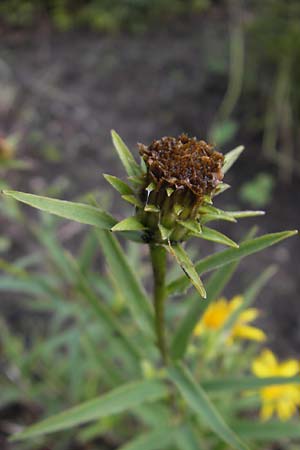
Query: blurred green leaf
column 151, row 440
column 268, row 431
column 114, row 402
column 198, row 401
column 133, row 292
column 248, row 298
column 245, row 383
column 78, row 212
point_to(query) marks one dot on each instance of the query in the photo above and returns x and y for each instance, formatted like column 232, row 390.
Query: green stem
column 158, row 259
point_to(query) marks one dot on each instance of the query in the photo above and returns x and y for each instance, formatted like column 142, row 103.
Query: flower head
column 217, row 314
column 181, row 175
column 183, row 163
column 282, row 400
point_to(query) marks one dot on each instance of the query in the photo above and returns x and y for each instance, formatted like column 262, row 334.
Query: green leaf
column 187, row 266
column 186, row 438
column 119, row 185
column 245, row 383
column 198, row 401
column 242, row 214
column 213, row 235
column 69, row 210
column 114, row 402
column 128, row 224
column 152, row 440
column 231, row 157
column 128, row 161
column 191, row 225
column 222, row 187
column 233, row 254
column 133, row 292
column 269, row 431
column 133, row 200
column 151, row 208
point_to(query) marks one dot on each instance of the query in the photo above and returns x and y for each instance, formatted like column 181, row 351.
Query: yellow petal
column 265, row 365
column 266, row 411
column 199, row 328
column 289, row 368
column 285, row 409
column 248, row 332
column 249, row 315
column 235, row 302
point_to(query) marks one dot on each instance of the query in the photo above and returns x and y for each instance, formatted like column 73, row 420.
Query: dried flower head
column 181, row 175
column 184, row 163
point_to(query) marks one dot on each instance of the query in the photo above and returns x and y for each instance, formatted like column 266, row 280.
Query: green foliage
column 100, row 15
column 258, row 192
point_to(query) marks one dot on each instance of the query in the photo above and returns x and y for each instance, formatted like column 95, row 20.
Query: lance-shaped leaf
column 128, row 161
column 233, row 254
column 152, row 440
column 118, row 400
column 133, row 200
column 222, row 187
column 242, row 214
column 231, row 157
column 215, row 236
column 119, row 185
column 246, row 383
column 128, row 224
column 191, row 225
column 79, row 212
column 198, row 401
column 270, row 431
column 187, row 266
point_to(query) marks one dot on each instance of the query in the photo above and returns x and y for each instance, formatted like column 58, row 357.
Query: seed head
column 183, row 163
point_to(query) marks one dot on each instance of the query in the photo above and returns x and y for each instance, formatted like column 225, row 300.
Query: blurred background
column 224, row 71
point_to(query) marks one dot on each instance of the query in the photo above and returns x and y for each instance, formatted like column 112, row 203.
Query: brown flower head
column 181, row 173
column 184, row 163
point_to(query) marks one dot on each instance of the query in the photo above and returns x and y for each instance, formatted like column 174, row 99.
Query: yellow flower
column 217, row 314
column 282, row 400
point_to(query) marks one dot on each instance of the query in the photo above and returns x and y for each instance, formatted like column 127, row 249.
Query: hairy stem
column 158, row 259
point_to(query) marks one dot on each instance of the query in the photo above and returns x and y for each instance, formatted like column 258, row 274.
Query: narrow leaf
column 188, row 267
column 231, row 157
column 152, row 440
column 242, row 214
column 128, row 224
column 198, row 401
column 246, row 383
column 133, row 200
column 79, row 212
column 119, row 185
column 116, row 401
column 213, row 235
column 233, row 254
column 128, row 161
column 270, row 431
